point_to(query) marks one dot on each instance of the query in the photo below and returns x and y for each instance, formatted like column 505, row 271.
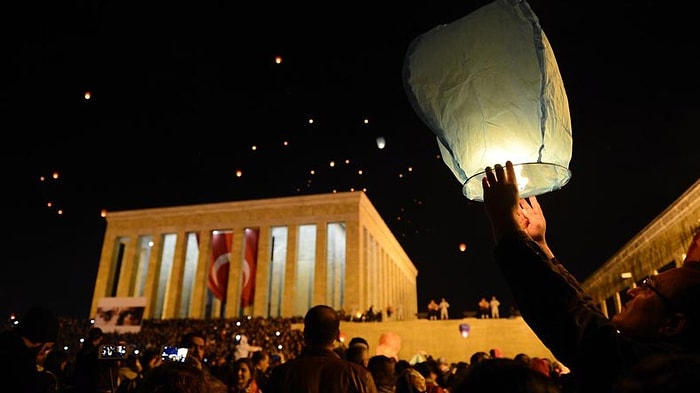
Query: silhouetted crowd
column 274, row 335
column 46, row 354
column 76, row 365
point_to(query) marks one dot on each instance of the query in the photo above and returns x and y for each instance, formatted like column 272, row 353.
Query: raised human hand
column 533, row 222
column 501, row 198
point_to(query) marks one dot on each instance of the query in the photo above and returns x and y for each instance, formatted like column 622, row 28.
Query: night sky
column 179, row 95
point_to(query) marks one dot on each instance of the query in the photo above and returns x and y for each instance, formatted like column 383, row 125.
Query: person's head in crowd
column 39, row 329
column 503, row 375
column 150, row 358
column 132, row 362
column 95, row 336
column 357, row 353
column 276, row 358
column 495, row 353
column 242, row 374
column 358, row 341
column 321, row 327
column 428, row 369
column 261, row 361
column 445, row 372
column 443, row 364
column 478, row 357
column 523, row 357
column 195, row 343
column 383, row 369
column 401, row 365
column 174, row 377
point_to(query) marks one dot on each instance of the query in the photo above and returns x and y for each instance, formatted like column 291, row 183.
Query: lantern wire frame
column 533, row 178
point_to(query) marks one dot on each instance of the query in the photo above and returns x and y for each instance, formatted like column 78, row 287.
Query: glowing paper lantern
column 381, row 142
column 464, row 329
column 489, row 88
column 389, row 345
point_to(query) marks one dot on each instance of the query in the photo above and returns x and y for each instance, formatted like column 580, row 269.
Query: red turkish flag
column 250, row 263
column 220, row 262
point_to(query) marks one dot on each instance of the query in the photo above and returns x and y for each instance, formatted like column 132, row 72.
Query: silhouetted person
column 319, row 368
column 89, row 371
column 175, row 377
column 662, row 314
column 261, row 363
column 36, row 333
column 503, row 375
column 383, row 370
column 196, row 345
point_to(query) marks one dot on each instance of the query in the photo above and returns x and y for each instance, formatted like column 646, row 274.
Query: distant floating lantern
column 464, row 329
column 462, row 247
column 389, row 345
column 489, row 88
column 381, row 142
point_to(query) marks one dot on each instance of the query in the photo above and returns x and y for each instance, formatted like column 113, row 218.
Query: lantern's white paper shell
column 489, row 87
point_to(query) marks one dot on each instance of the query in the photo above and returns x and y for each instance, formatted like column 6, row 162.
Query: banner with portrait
column 120, row 314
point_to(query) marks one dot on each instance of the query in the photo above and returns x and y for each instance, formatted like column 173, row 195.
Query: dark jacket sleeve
column 556, row 308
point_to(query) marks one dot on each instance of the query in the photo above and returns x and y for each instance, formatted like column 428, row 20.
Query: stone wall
column 443, row 339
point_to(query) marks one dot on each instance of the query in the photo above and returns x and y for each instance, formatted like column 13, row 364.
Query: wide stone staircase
column 444, row 339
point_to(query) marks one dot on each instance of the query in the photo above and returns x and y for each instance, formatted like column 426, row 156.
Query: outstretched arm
column 562, row 315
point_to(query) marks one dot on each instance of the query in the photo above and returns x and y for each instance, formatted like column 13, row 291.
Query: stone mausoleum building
column 661, row 245
column 270, row 258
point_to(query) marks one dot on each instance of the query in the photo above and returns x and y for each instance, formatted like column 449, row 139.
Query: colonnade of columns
column 165, row 255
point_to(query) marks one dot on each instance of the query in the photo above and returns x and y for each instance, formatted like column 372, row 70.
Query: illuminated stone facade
column 332, row 249
column 659, row 246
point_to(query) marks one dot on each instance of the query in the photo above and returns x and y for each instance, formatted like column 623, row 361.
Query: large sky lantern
column 488, row 86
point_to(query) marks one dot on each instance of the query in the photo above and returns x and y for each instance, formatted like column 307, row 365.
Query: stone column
column 353, row 265
column 171, row 305
column 321, row 273
column 201, row 280
column 151, row 287
column 262, row 273
column 289, row 287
